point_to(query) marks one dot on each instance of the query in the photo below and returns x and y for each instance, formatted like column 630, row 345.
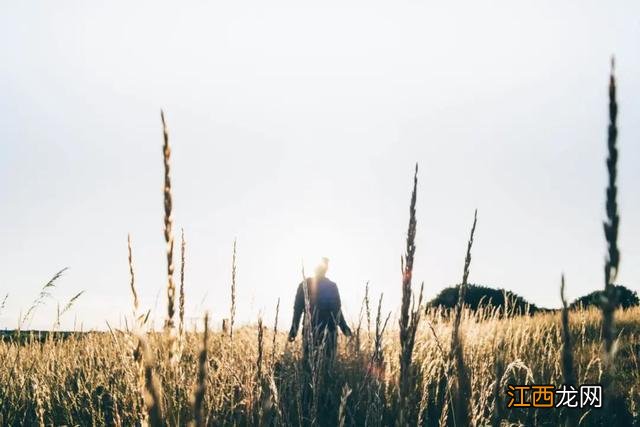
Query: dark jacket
column 324, row 305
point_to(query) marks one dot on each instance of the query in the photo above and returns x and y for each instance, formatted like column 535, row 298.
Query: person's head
column 321, row 269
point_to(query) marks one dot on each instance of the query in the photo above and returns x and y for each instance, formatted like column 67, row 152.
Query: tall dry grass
column 232, row 310
column 199, row 419
column 611, row 224
column 67, row 373
column 568, row 370
column 462, row 383
column 183, row 246
column 409, row 319
column 168, row 227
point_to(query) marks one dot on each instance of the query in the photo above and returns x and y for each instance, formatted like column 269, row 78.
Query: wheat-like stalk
column 110, row 410
column 260, row 349
column 342, row 409
column 135, row 340
column 181, row 297
column 408, row 316
column 274, row 345
column 307, row 332
column 568, row 372
column 132, row 277
column 612, row 260
column 611, row 224
column 367, row 306
column 66, row 308
column 378, row 353
column 168, row 226
column 42, row 296
column 364, row 310
column 153, row 389
column 312, row 353
column 4, row 303
column 232, row 311
column 36, row 389
column 201, row 382
column 462, row 393
column 497, row 410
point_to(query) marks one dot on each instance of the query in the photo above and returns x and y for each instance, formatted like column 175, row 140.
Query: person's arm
column 343, row 325
column 298, row 308
column 341, row 322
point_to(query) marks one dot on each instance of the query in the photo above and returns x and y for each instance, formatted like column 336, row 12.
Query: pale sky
column 295, row 127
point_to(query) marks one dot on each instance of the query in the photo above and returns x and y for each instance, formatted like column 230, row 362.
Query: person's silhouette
column 324, row 307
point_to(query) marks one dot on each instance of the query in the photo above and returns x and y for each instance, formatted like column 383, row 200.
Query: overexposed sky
column 295, row 127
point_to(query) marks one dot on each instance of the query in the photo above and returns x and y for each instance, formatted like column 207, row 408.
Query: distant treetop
column 478, row 296
column 625, row 298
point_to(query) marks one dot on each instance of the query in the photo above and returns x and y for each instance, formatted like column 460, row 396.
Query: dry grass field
column 95, row 379
column 430, row 367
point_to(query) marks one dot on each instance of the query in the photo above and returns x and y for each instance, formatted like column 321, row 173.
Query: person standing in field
column 325, row 310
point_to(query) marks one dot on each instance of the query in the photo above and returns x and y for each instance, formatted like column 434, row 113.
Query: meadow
column 433, row 367
column 253, row 379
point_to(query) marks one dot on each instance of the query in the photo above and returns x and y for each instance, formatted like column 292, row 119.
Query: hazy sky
column 295, row 127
